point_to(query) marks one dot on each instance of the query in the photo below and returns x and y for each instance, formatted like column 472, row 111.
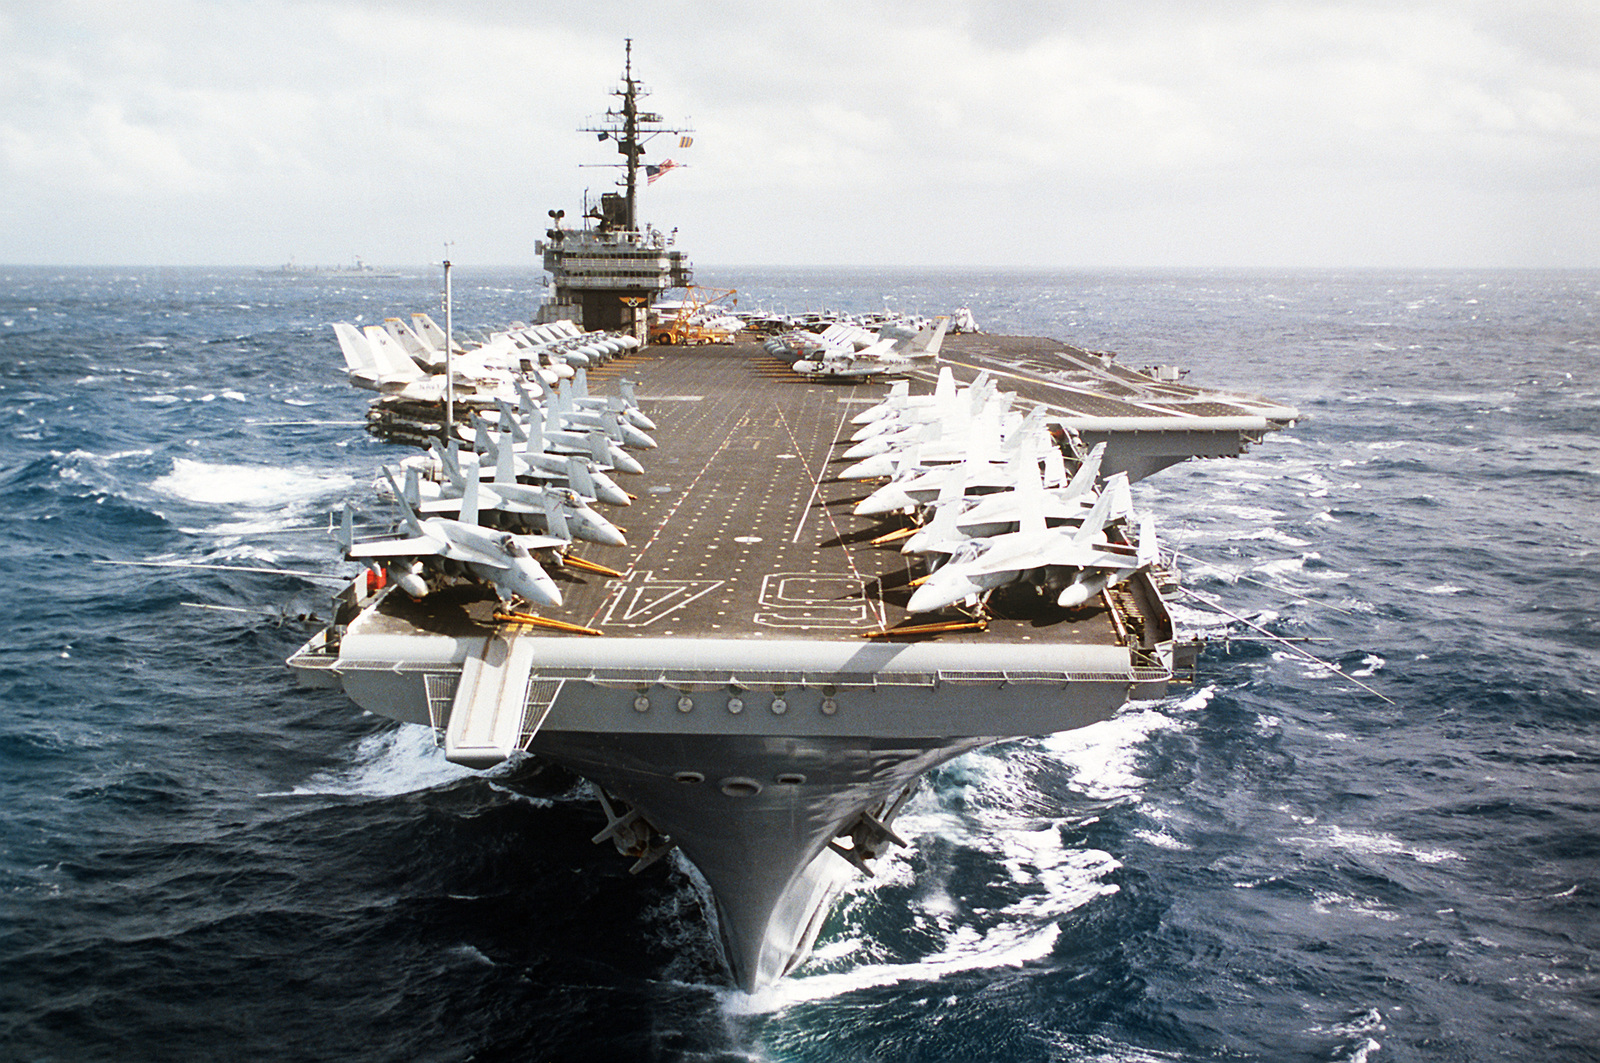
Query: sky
column 939, row 133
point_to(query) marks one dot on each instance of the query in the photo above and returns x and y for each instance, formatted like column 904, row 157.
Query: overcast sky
column 1027, row 133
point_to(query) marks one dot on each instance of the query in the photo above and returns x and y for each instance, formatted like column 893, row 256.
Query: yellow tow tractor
column 691, row 322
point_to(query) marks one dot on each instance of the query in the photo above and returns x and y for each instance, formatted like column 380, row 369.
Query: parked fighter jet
column 501, row 559
column 541, row 436
column 525, row 502
column 584, row 471
column 960, row 514
column 889, row 355
column 1048, row 556
column 560, row 407
column 376, row 360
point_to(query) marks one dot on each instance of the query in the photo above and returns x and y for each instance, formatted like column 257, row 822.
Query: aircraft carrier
column 753, row 698
column 751, row 690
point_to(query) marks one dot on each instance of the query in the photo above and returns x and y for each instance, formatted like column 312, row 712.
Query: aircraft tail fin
column 510, row 423
column 1149, row 547
column 425, row 327
column 1024, row 430
column 485, row 440
column 1088, row 471
column 448, row 465
column 555, row 519
column 1121, row 497
column 469, row 501
column 453, row 462
column 929, row 347
column 1100, row 514
column 413, row 487
column 1055, row 466
column 945, row 524
column 392, row 362
column 410, row 342
column 410, row 514
column 580, row 479
column 535, row 444
column 1030, row 490
column 525, row 403
column 505, row 467
column 353, row 345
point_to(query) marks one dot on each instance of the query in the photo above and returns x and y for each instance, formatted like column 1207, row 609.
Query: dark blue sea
column 199, row 861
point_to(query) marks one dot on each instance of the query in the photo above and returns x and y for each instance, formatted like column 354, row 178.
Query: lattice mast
column 630, row 128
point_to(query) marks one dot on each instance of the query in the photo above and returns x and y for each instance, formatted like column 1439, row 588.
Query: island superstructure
column 605, row 273
column 747, row 688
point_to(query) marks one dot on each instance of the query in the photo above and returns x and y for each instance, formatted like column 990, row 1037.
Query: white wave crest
column 1103, row 757
column 255, row 486
column 1004, row 946
column 1373, row 843
column 1369, row 664
column 1056, row 879
column 404, row 760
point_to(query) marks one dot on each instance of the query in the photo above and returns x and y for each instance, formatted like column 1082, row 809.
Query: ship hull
column 778, row 784
column 762, row 845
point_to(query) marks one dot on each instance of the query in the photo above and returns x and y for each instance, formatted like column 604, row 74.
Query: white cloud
column 1047, row 133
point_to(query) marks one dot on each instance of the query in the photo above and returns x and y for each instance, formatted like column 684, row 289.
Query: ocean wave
column 403, row 760
column 1103, row 759
column 1334, row 837
column 255, row 486
column 967, row 949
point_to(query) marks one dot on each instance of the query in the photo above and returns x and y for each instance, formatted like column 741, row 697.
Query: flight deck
column 741, row 528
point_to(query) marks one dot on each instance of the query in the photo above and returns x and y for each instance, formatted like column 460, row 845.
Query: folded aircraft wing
column 415, row 546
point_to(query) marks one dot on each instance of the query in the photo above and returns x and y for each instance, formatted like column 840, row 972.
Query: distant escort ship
column 790, row 637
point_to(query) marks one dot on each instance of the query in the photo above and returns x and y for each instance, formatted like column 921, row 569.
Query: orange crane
column 684, row 327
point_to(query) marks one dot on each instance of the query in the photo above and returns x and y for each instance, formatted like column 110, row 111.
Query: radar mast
column 630, row 129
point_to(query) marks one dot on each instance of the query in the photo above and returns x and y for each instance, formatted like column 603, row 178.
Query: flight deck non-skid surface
column 741, row 528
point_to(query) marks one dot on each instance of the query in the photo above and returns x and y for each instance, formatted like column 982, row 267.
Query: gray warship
column 748, row 688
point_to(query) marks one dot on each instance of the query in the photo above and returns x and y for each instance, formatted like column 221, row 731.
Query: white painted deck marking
column 811, row 599
column 641, row 600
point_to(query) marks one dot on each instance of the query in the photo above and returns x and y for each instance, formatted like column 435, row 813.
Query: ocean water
column 200, row 861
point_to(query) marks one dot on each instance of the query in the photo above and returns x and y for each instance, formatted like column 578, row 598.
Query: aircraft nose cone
column 931, row 597
column 637, row 438
column 867, row 448
column 534, row 584
column 866, row 468
column 605, row 533
column 886, row 499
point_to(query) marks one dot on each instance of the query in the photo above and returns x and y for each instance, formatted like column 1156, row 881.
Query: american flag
column 652, row 172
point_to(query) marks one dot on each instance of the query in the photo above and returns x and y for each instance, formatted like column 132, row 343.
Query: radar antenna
column 631, row 129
